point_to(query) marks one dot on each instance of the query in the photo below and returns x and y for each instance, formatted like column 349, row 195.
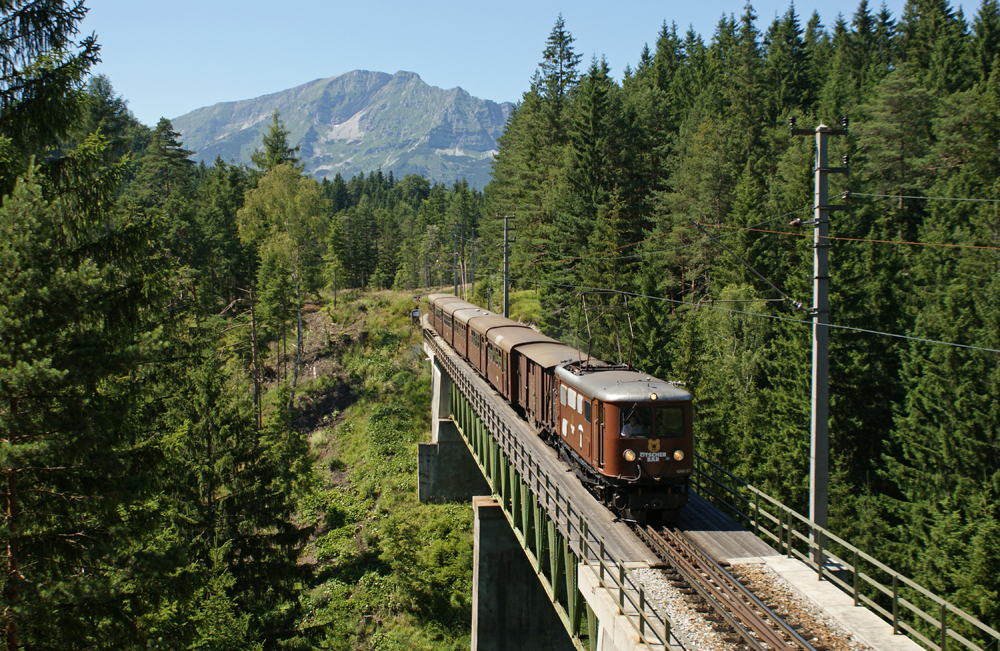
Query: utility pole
column 506, row 262
column 472, row 271
column 819, row 454
column 455, row 259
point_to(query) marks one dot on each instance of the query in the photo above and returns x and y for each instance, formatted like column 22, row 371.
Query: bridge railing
column 900, row 601
column 653, row 627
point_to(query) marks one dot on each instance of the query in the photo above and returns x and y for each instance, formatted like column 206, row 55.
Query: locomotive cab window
column 562, row 395
column 650, row 420
column 635, row 420
column 586, row 411
column 669, row 422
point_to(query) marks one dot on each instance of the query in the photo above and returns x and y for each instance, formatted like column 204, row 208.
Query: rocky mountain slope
column 357, row 122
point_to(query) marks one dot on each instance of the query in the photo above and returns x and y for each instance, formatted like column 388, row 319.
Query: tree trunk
column 298, row 341
column 12, row 593
column 255, row 363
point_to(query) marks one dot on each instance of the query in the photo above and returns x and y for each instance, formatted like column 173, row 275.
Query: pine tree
column 559, row 66
column 786, row 65
column 932, row 43
column 818, row 51
column 73, row 289
column 841, row 91
column 986, row 39
column 592, row 139
column 42, row 72
column 276, row 149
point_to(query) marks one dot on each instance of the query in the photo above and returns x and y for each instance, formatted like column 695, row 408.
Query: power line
column 766, row 316
column 591, row 256
column 796, row 304
column 806, row 207
column 857, row 239
column 903, row 196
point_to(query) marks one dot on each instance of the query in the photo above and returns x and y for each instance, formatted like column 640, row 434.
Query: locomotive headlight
column 652, row 397
column 629, row 455
column 678, row 455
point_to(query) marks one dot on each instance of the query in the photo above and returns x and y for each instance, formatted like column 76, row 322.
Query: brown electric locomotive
column 628, row 436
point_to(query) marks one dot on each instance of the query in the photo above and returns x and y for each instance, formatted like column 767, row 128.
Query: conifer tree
column 72, row 293
column 986, row 39
column 276, row 150
column 786, row 64
column 558, row 67
column 42, row 72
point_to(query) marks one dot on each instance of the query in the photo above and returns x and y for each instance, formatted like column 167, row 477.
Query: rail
column 881, row 589
column 652, row 627
column 758, row 626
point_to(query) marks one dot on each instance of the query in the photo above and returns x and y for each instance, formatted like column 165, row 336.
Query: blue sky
column 169, row 58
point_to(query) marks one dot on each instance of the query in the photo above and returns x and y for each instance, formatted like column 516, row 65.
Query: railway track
column 734, row 611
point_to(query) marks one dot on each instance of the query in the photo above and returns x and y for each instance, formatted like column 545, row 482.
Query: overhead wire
column 774, row 317
column 857, row 239
column 796, row 304
column 592, row 256
column 904, row 196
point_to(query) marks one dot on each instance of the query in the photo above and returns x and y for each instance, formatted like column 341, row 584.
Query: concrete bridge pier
column 510, row 609
column 446, row 469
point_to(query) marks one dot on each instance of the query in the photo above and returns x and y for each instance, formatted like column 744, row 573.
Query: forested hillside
column 606, row 178
column 201, row 446
column 208, row 399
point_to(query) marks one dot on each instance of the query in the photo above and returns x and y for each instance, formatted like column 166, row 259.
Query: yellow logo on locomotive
column 654, row 445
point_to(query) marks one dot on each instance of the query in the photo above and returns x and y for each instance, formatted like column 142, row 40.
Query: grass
column 390, row 573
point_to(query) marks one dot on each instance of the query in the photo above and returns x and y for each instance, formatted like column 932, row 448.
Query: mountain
column 357, row 122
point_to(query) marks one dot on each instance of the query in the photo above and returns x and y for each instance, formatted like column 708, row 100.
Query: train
column 628, row 436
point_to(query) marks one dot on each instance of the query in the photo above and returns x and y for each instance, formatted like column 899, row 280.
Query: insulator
column 797, row 222
column 791, row 122
column 847, row 160
column 844, row 121
column 846, row 195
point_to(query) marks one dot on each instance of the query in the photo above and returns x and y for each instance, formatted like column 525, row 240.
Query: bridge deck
column 722, row 537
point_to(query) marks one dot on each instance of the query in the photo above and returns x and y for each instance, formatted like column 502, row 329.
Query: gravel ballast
column 695, row 632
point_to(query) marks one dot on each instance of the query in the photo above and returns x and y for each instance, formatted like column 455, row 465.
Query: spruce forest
column 210, row 393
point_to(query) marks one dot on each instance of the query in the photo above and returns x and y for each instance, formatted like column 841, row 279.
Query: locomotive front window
column 586, row 411
column 635, row 420
column 669, row 422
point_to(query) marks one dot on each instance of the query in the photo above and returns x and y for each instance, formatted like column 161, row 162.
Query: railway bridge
column 555, row 570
